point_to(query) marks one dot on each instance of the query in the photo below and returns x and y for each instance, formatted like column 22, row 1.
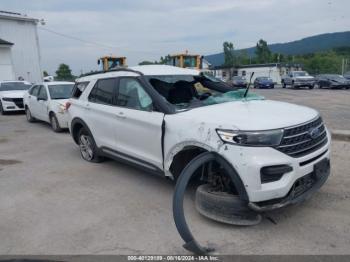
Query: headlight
column 247, row 138
column 7, row 99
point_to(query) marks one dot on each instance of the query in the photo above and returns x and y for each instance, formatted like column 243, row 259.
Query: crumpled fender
column 178, row 211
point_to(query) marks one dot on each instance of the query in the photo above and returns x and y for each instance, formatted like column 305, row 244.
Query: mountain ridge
column 311, row 44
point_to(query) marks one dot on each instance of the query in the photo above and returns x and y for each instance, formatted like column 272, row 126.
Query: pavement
column 333, row 104
column 53, row 202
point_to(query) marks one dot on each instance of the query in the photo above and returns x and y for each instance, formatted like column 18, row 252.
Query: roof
column 147, row 70
column 164, row 70
column 17, row 16
column 58, row 83
column 4, row 42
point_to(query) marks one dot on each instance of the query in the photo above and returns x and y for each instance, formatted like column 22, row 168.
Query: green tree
column 262, row 51
column 145, row 62
column 64, row 73
column 229, row 55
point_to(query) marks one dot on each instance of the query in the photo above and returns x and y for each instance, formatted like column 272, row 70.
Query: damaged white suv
column 161, row 117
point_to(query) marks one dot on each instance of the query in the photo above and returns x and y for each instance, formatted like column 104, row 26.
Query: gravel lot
column 53, row 202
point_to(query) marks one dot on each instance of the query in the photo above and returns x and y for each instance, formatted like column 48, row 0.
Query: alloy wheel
column 86, row 147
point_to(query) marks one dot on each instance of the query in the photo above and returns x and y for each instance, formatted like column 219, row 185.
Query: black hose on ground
column 178, row 211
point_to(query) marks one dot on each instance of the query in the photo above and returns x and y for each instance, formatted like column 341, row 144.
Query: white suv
column 161, row 117
column 47, row 102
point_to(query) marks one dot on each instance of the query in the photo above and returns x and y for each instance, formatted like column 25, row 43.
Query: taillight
column 67, row 105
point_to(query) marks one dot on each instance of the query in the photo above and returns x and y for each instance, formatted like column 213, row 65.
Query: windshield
column 12, row 86
column 264, row 79
column 301, row 73
column 187, row 91
column 238, row 78
column 61, row 91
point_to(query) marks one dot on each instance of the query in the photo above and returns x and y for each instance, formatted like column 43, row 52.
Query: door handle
column 120, row 115
column 87, row 107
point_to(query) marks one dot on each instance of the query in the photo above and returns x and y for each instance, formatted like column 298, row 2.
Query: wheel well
column 75, row 131
column 182, row 158
column 51, row 113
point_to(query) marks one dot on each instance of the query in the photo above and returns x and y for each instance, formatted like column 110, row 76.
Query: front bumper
column 15, row 105
column 302, row 189
column 306, row 83
column 248, row 162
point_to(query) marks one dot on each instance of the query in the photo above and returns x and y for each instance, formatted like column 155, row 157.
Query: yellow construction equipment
column 185, row 60
column 108, row 62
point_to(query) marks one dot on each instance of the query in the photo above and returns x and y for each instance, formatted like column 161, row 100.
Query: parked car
column 239, row 81
column 298, row 79
column 332, row 81
column 161, row 127
column 263, row 82
column 11, row 95
column 46, row 102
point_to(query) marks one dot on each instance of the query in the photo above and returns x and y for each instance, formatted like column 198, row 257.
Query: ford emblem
column 314, row 132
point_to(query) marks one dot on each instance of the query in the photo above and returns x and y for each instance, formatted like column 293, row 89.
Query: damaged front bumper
column 302, row 189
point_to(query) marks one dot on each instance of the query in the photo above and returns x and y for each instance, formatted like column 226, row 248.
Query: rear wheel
column 88, row 148
column 311, row 87
column 29, row 116
column 55, row 124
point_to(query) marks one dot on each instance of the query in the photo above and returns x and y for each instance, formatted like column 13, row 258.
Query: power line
column 78, row 39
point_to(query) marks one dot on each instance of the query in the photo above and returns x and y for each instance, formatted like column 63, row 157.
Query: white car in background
column 46, row 102
column 11, row 95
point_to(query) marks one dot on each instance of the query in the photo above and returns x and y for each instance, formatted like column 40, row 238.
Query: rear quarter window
column 78, row 89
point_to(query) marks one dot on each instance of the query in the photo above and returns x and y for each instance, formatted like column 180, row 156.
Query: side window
column 34, row 90
column 132, row 95
column 78, row 89
column 42, row 93
column 103, row 92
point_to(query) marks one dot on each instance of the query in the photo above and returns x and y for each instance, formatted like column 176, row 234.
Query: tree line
column 315, row 63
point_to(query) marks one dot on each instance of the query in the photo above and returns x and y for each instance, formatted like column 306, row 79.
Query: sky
column 77, row 32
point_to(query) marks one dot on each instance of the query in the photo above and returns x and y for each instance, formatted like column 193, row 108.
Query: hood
column 13, row 94
column 339, row 81
column 305, row 77
column 252, row 115
column 265, row 82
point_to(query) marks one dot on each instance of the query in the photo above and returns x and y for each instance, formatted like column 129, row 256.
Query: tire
column 319, row 85
column 29, row 116
column 2, row 111
column 284, row 85
column 88, row 148
column 311, row 87
column 55, row 125
column 224, row 207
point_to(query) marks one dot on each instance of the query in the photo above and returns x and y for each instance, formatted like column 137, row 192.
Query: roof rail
column 114, row 69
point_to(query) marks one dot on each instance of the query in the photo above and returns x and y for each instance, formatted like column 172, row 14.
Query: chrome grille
column 297, row 141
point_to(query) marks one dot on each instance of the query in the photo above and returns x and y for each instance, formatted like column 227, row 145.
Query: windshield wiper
column 247, row 89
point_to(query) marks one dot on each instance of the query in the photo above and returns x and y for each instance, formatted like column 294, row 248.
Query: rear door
column 100, row 115
column 139, row 126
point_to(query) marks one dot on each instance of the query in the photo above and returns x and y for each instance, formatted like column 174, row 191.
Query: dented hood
column 252, row 115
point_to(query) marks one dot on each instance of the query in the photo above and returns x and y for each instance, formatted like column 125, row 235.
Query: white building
column 273, row 70
column 19, row 47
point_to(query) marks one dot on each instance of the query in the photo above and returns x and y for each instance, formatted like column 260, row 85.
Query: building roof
column 17, row 16
column 4, row 42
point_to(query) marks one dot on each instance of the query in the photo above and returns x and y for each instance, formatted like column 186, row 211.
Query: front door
column 139, row 130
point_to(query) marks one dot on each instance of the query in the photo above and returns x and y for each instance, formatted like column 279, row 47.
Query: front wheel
column 29, row 116
column 2, row 111
column 88, row 148
column 311, row 87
